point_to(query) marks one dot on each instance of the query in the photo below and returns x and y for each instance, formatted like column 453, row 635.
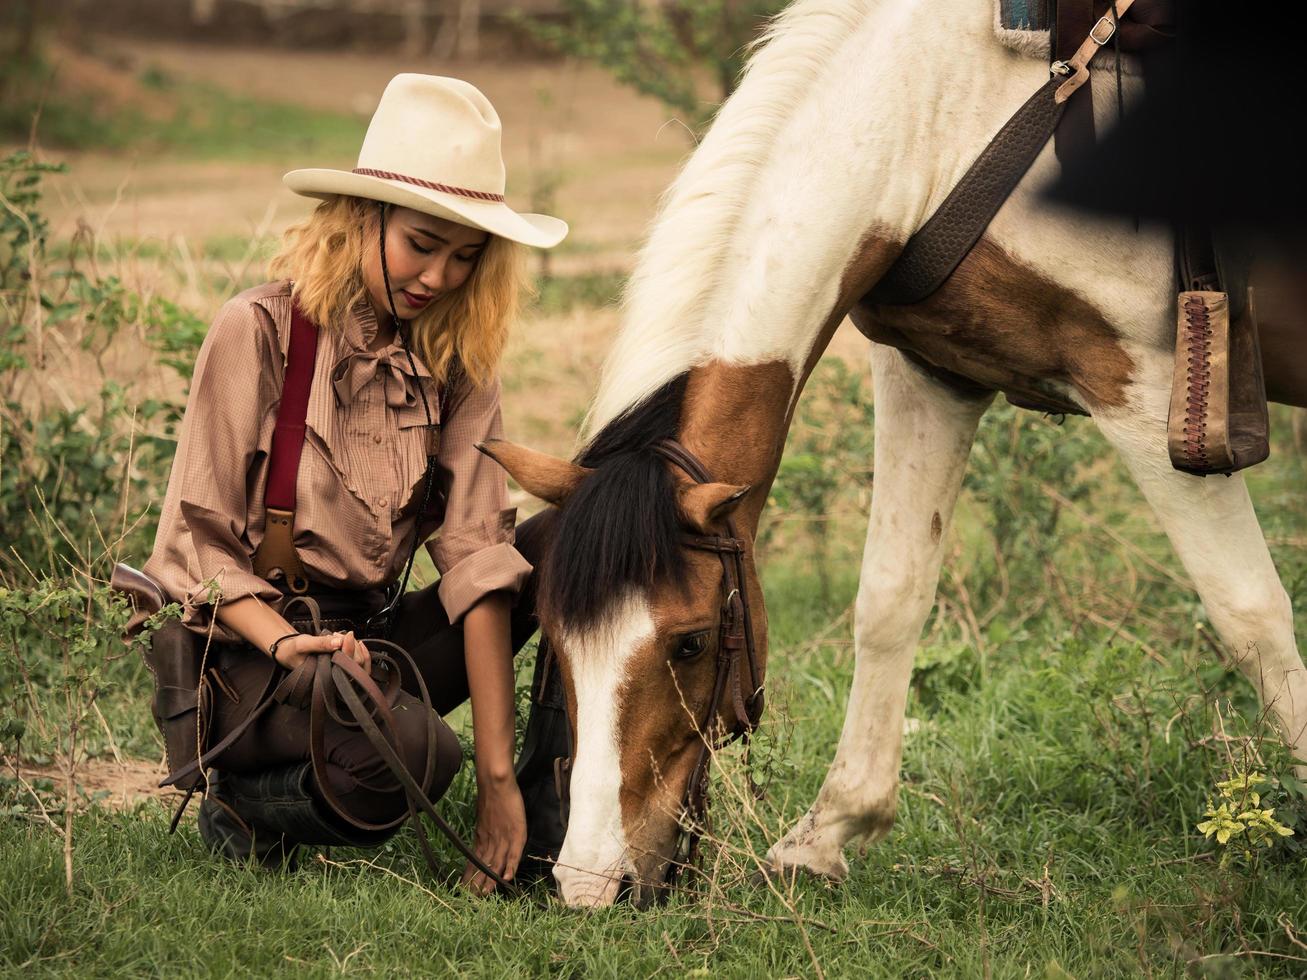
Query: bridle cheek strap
column 735, row 643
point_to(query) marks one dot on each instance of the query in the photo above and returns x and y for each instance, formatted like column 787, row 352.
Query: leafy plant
column 827, row 457
column 1237, row 820
column 71, row 471
column 686, row 53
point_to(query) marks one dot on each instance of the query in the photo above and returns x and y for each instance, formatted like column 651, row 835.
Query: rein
column 735, row 643
column 336, row 687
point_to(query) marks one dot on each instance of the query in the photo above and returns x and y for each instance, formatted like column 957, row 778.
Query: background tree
column 687, row 53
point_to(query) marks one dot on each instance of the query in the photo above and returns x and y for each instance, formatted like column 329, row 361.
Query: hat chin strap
column 428, row 479
column 385, row 279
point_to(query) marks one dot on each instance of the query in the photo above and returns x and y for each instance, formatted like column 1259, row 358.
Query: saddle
column 1218, row 415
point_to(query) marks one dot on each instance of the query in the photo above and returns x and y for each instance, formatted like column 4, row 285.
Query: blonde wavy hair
column 469, row 325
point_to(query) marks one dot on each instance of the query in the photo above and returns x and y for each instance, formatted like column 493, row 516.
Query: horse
column 852, row 122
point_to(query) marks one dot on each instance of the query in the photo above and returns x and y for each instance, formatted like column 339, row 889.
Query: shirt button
column 383, row 502
column 376, row 438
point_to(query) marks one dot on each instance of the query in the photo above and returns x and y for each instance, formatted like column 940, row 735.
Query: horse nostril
column 627, row 890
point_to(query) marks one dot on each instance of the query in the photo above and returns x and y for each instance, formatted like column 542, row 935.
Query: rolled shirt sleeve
column 202, row 553
column 473, row 550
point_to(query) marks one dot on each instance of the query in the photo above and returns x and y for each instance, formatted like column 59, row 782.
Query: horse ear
column 704, row 505
column 547, row 477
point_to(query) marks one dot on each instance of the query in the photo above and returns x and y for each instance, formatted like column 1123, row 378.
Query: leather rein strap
column 947, row 237
column 735, row 643
column 329, row 687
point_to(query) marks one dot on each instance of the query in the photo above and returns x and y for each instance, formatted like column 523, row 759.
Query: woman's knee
column 421, row 734
column 362, row 780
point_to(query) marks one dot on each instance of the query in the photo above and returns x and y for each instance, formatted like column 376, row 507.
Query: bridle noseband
column 735, row 643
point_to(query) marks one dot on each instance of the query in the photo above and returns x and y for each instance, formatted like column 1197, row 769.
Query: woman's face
column 425, row 256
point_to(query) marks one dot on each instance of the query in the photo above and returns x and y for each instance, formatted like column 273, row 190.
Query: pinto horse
column 854, row 119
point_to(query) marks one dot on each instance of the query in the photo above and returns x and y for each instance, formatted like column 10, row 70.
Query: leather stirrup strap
column 1071, row 25
column 276, row 553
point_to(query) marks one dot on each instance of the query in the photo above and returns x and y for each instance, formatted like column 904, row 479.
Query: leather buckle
column 1102, row 32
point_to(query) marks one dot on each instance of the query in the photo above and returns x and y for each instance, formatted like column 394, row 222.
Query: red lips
column 417, row 302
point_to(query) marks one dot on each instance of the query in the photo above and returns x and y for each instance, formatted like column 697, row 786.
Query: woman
column 409, row 269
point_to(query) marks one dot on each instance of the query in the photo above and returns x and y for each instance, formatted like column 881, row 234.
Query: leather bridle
column 736, row 652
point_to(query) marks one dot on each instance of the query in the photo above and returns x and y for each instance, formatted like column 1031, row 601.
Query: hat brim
column 538, row 230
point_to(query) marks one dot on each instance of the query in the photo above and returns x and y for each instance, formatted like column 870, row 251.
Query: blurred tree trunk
column 18, row 41
column 460, row 30
column 23, row 15
column 416, row 15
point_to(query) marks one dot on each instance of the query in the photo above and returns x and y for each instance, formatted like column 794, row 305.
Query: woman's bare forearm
column 254, row 620
column 489, row 658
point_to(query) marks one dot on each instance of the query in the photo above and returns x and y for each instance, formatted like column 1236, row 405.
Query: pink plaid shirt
column 360, row 475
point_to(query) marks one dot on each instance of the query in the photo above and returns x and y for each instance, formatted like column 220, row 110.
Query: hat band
column 431, row 185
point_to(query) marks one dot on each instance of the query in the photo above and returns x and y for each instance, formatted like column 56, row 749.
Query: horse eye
column 692, row 645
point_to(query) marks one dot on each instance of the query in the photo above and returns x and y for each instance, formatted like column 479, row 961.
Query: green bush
column 81, row 472
column 686, row 53
column 77, row 480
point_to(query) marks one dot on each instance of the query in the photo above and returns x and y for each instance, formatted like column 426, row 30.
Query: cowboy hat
column 434, row 146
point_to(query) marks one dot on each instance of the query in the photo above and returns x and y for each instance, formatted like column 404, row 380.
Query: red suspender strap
column 276, row 555
column 288, row 437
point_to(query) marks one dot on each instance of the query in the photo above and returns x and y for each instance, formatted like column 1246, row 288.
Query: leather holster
column 174, row 656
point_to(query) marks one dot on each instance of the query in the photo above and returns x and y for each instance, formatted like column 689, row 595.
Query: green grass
column 196, row 121
column 210, row 123
column 1030, row 783
column 1046, row 827
column 559, row 294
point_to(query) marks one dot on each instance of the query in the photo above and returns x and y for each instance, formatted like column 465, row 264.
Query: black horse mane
column 620, row 529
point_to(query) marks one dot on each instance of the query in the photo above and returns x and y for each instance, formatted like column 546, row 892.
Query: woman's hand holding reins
column 294, row 651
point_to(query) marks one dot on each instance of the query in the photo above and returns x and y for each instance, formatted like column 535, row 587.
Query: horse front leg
column 924, row 432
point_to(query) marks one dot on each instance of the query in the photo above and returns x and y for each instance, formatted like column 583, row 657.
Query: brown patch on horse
column 874, row 255
column 661, row 706
column 735, row 418
column 1000, row 324
column 936, row 528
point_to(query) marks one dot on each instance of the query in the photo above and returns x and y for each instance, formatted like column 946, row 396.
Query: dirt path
column 118, row 785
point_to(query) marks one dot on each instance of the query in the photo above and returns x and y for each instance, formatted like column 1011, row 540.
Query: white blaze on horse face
column 594, row 856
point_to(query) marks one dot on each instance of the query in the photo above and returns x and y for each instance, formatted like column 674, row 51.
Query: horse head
column 651, row 603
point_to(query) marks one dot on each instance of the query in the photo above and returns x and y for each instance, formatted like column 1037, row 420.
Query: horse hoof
column 789, row 874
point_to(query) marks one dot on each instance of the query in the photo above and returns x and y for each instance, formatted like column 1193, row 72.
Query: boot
column 546, row 747
column 237, row 838
column 283, row 799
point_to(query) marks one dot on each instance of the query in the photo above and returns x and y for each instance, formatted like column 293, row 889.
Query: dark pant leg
column 359, row 778
column 423, row 629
